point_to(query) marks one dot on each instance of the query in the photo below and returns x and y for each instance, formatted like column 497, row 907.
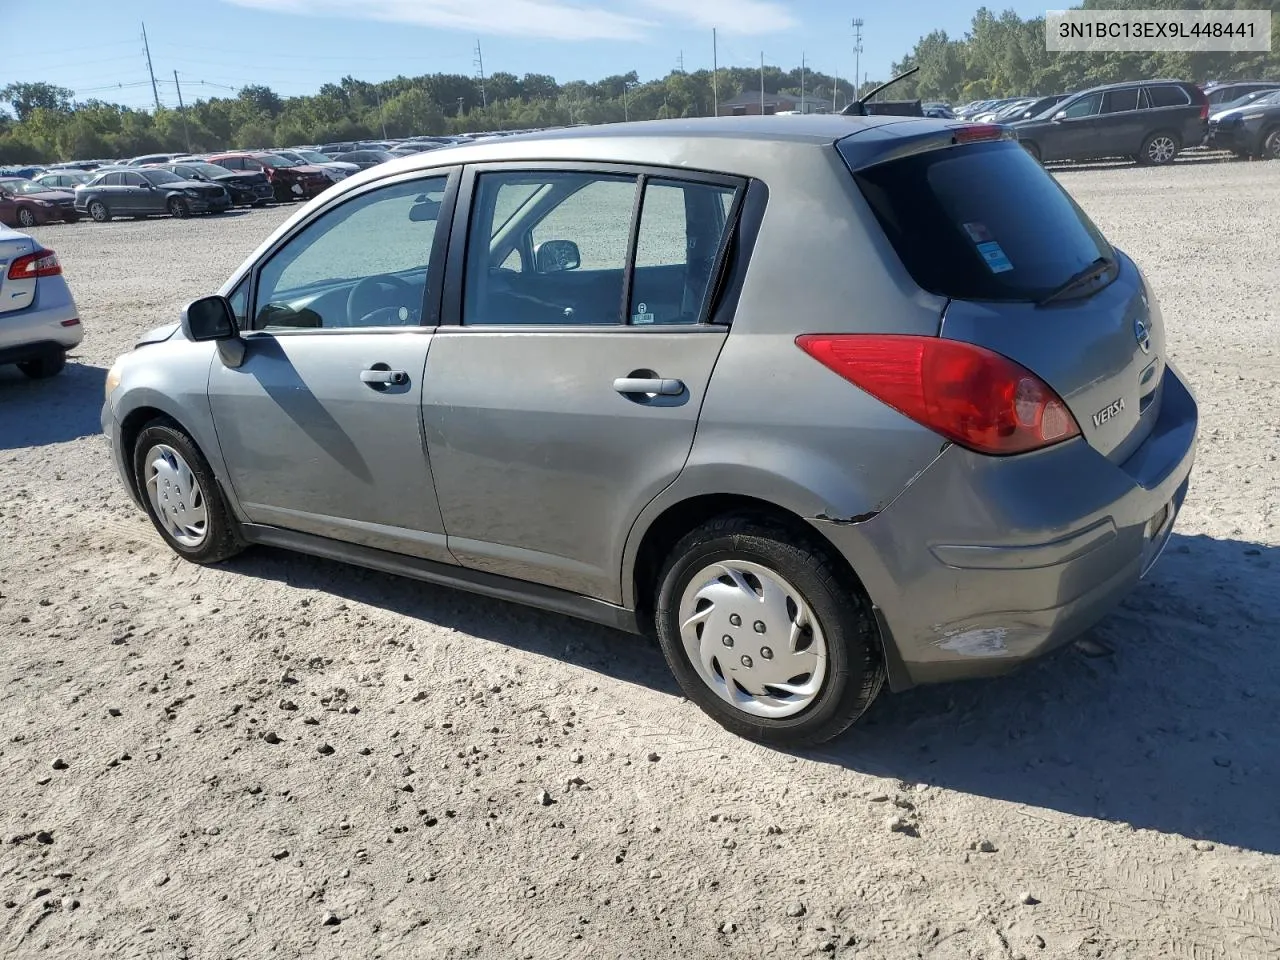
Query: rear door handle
column 379, row 376
column 663, row 388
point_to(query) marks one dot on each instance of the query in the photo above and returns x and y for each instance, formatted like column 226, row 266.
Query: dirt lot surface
column 292, row 758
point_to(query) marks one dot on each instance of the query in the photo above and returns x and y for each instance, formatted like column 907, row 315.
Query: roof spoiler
column 859, row 107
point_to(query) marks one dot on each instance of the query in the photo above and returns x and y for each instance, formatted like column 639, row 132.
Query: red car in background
column 289, row 180
column 25, row 203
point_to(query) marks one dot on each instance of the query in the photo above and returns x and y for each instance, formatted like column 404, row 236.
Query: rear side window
column 1167, row 96
column 1117, row 101
column 981, row 222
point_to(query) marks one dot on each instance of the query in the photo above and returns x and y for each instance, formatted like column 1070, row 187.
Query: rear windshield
column 981, row 222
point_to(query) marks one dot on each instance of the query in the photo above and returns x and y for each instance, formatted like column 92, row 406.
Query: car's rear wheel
column 99, row 212
column 26, row 217
column 765, row 631
column 1271, row 144
column 182, row 496
column 1159, row 149
column 178, row 208
column 50, row 365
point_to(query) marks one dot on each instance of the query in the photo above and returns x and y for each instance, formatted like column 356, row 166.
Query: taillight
column 1204, row 110
column 968, row 394
column 42, row 263
column 977, row 132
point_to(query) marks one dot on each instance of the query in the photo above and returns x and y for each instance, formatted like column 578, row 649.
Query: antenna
column 479, row 61
column 147, row 47
column 857, row 52
column 859, row 107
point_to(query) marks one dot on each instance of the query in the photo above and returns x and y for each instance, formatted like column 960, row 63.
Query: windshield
column 275, row 160
column 20, row 187
column 313, row 156
column 206, row 169
column 160, row 176
column 981, row 222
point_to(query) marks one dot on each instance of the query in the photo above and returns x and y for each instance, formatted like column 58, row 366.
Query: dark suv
column 1222, row 92
column 1150, row 121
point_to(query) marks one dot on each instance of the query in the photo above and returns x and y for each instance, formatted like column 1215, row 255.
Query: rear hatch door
column 982, row 223
column 15, row 294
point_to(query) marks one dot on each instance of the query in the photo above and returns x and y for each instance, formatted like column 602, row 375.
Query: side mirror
column 209, row 318
column 424, row 208
column 1060, row 116
column 555, row 256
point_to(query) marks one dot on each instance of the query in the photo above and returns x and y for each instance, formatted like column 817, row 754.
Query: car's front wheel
column 1271, row 144
column 41, row 368
column 178, row 208
column 766, row 632
column 26, row 217
column 182, row 496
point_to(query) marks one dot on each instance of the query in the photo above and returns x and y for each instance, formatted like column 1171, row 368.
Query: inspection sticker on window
column 992, row 253
column 642, row 314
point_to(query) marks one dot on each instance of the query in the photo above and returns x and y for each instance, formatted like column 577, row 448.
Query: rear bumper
column 984, row 563
column 50, row 324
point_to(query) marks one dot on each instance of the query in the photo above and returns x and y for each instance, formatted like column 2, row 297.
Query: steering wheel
column 382, row 301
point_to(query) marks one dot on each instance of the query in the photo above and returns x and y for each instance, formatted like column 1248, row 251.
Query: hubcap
column 752, row 639
column 176, row 496
column 1161, row 150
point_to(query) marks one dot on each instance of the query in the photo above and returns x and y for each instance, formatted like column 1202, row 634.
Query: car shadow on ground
column 1174, row 730
column 1186, row 160
column 35, row 413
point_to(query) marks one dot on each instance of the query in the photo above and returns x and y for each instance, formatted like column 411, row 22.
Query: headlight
column 113, row 379
column 191, row 191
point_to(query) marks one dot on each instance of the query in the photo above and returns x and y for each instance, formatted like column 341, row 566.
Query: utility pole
column 802, row 66
column 626, row 106
column 382, row 117
column 762, row 83
column 835, row 93
column 186, row 133
column 484, row 98
column 857, row 53
column 715, row 75
column 147, row 47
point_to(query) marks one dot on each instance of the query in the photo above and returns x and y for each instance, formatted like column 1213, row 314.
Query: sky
column 294, row 46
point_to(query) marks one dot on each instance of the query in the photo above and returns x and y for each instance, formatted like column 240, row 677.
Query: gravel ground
column 283, row 756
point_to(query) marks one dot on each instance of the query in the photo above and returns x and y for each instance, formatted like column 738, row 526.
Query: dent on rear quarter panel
column 776, row 425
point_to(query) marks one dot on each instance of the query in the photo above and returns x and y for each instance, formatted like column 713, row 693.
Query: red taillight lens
column 977, row 132
column 1204, row 110
column 42, row 263
column 971, row 395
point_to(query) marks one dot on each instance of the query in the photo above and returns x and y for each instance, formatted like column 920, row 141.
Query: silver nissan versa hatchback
column 820, row 401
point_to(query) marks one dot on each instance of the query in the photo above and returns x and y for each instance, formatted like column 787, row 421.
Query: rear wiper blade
column 1078, row 279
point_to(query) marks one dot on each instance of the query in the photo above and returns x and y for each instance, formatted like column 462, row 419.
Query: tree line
column 1000, row 55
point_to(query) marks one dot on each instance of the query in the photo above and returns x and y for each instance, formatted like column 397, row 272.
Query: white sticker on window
column 642, row 314
column 994, row 256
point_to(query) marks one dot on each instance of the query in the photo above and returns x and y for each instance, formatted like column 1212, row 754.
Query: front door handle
column 381, row 376
column 653, row 385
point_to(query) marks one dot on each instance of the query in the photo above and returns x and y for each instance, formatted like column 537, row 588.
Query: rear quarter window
column 981, row 222
column 1167, row 96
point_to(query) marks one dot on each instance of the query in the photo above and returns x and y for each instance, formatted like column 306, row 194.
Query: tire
column 1270, row 144
column 99, row 212
column 178, row 208
column 26, row 217
column 44, row 367
column 1159, row 149
column 1032, row 149
column 197, row 524
column 840, row 666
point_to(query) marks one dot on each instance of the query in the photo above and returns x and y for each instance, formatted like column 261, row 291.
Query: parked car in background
column 1033, row 109
column 336, row 169
column 365, row 159
column 152, row 158
column 289, row 180
column 148, row 191
column 803, row 501
column 1148, row 121
column 408, row 149
column 1224, row 91
column 1250, row 131
column 25, row 203
column 332, row 149
column 1216, row 112
column 64, row 179
column 39, row 321
column 245, row 187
